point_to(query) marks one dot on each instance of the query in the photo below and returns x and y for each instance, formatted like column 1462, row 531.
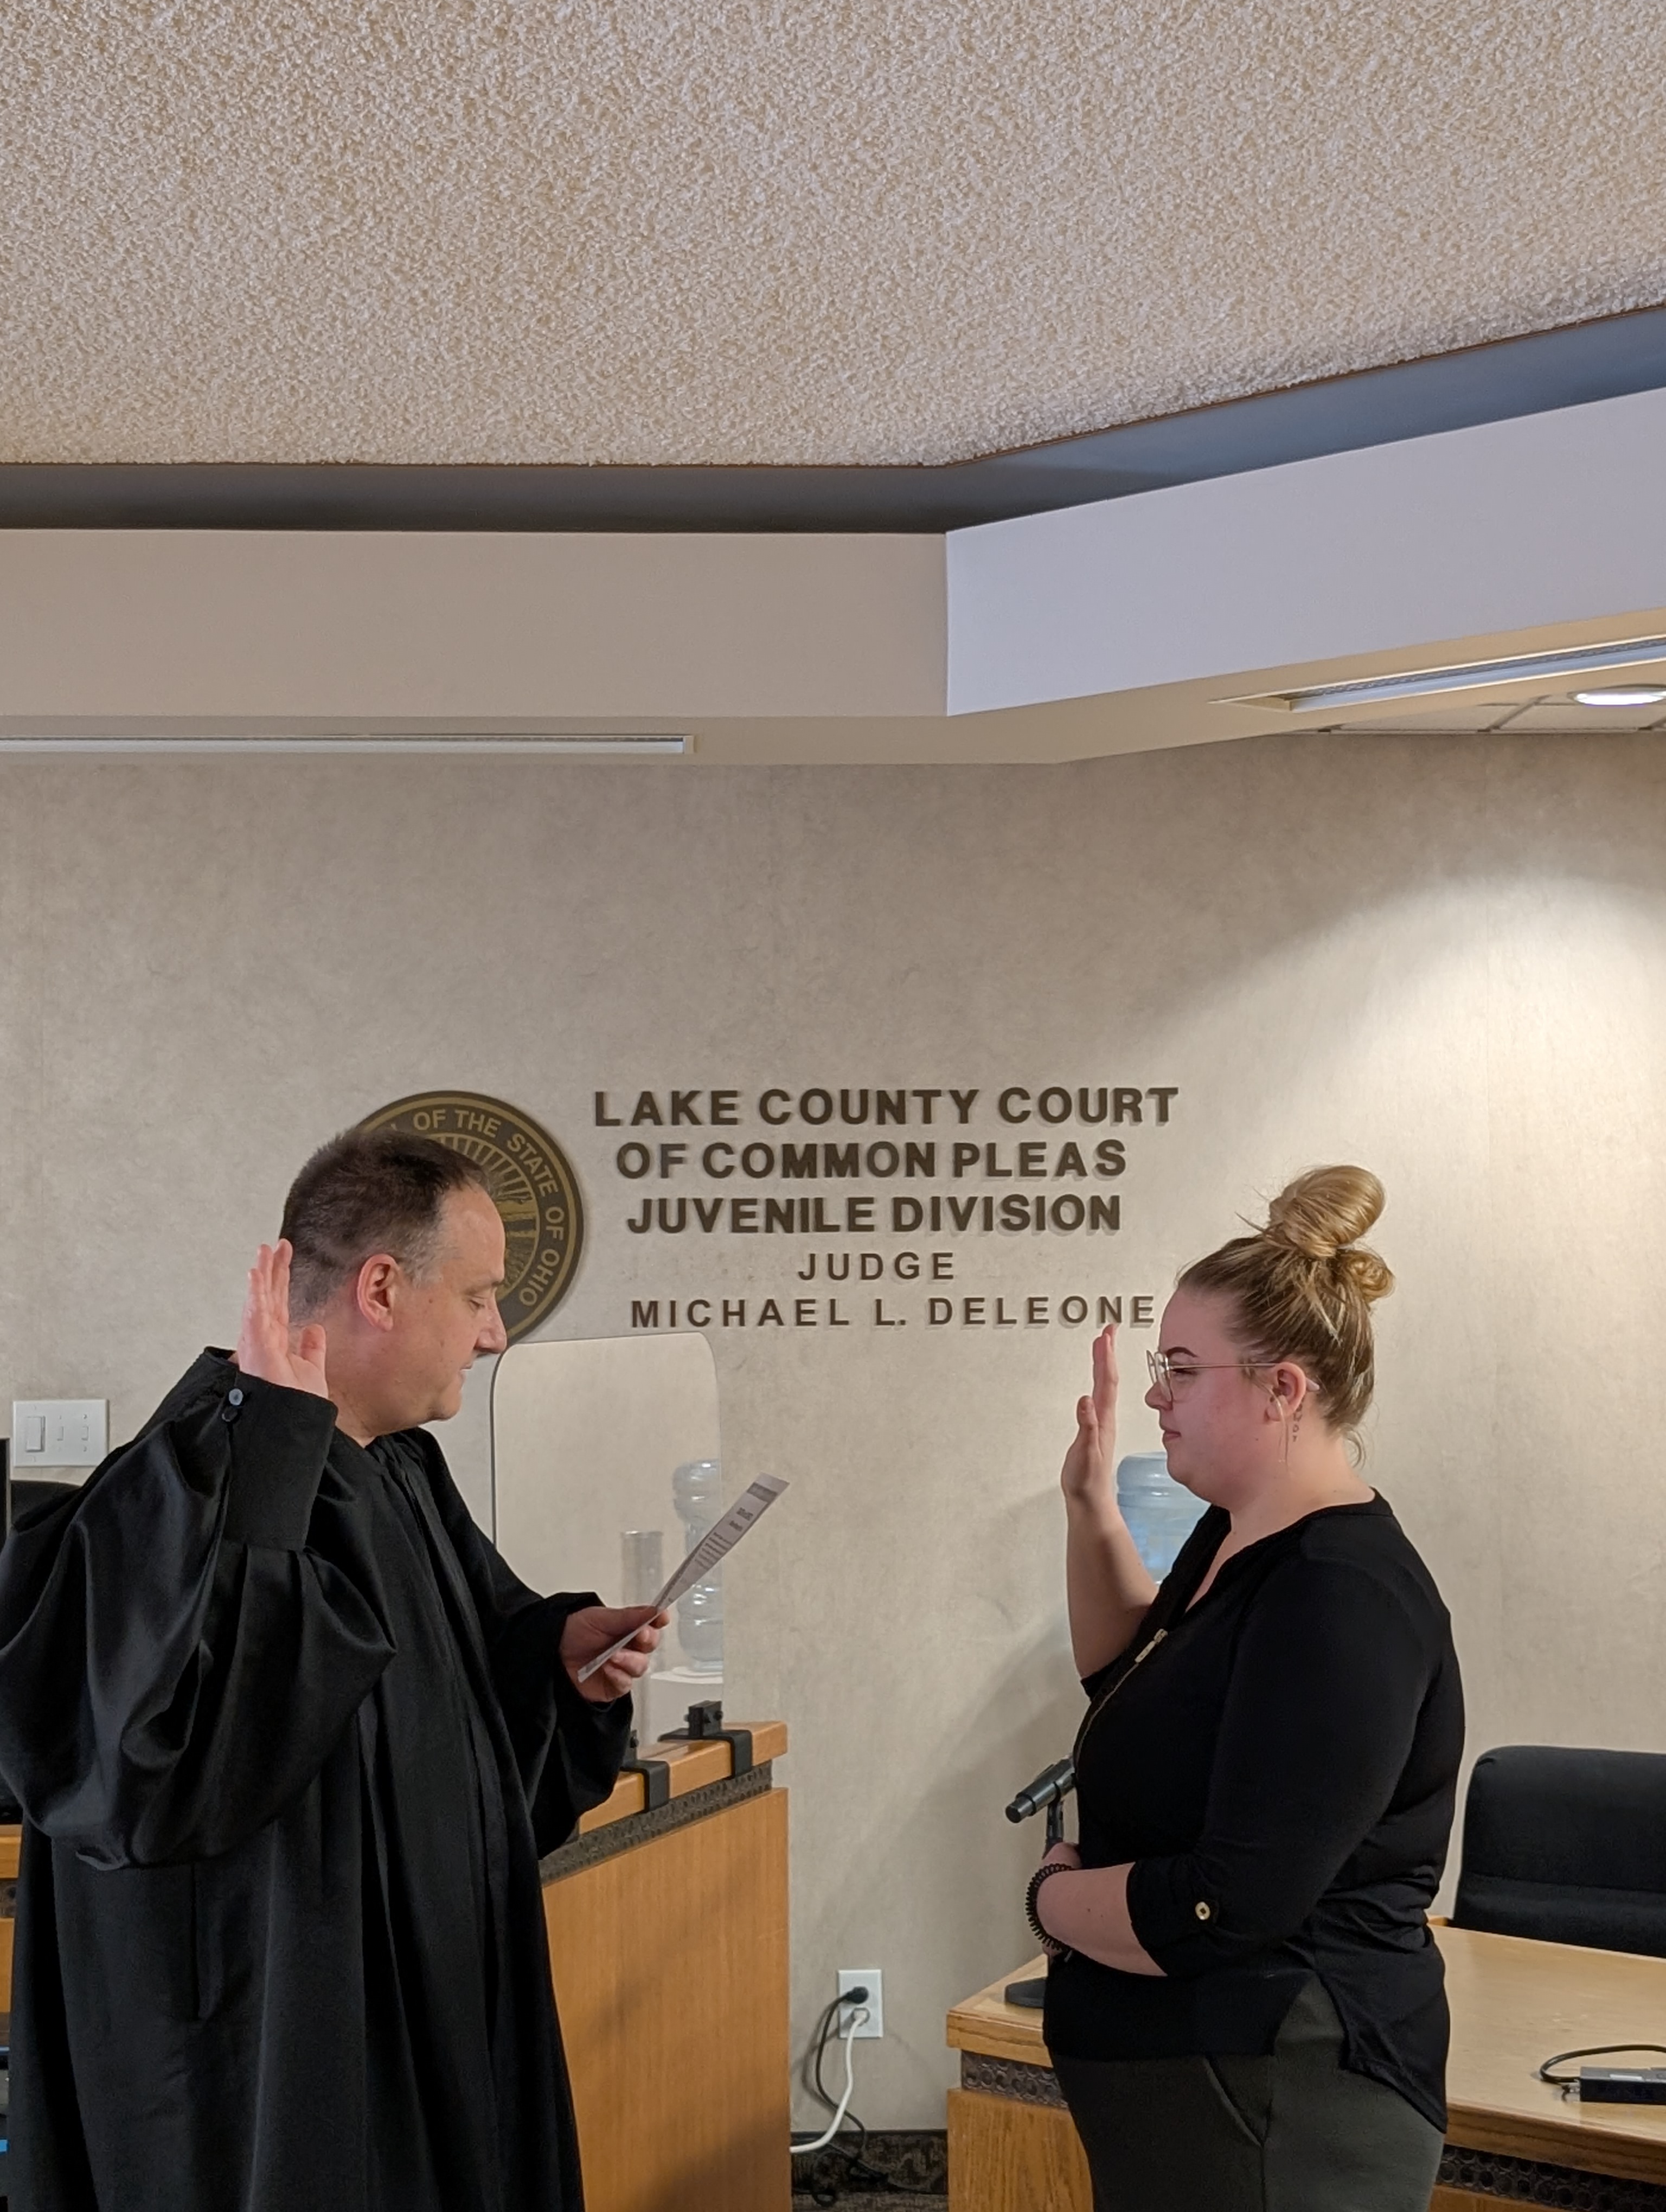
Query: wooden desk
column 1511, row 2140
column 1513, row 2004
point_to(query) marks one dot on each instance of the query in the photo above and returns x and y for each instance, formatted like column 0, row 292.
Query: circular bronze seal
column 532, row 1186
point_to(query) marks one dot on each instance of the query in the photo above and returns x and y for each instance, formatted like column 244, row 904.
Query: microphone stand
column 1046, row 1793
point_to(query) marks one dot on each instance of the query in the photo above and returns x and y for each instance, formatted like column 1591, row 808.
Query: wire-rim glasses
column 1168, row 1380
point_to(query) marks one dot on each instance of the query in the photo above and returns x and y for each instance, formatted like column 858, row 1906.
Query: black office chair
column 1568, row 1846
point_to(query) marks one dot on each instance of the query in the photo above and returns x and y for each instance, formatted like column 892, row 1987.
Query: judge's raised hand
column 1086, row 1473
column 596, row 1627
column 267, row 1346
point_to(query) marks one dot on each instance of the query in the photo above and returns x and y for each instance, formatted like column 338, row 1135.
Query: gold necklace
column 1094, row 1711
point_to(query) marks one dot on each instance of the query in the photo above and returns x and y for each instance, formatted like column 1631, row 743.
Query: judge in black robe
column 290, row 1738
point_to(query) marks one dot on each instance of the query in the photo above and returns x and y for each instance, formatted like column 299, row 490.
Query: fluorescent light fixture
column 1467, row 675
column 1639, row 695
column 535, row 747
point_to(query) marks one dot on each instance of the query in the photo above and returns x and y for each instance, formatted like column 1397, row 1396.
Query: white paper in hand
column 719, row 1541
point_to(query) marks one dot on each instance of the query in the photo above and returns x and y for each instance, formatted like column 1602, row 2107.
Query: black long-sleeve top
column 1279, row 1765
column 288, row 1737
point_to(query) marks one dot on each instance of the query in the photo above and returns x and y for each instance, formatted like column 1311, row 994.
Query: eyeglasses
column 1169, row 1380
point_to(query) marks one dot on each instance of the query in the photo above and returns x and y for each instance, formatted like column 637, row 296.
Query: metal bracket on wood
column 656, row 1780
column 705, row 1725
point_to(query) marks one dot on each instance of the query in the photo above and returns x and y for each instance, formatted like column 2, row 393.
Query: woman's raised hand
column 267, row 1346
column 1087, row 1465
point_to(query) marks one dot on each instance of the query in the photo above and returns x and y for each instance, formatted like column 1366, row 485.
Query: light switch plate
column 58, row 1432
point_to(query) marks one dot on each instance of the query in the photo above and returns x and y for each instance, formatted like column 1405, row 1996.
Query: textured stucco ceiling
column 747, row 231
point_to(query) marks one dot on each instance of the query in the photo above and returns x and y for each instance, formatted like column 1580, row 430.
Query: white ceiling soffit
column 563, row 231
column 1172, row 618
column 1550, row 519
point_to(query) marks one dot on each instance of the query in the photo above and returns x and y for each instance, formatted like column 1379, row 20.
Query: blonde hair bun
column 1323, row 1214
column 1302, row 1287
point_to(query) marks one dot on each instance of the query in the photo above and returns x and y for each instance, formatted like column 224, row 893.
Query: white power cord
column 847, row 2036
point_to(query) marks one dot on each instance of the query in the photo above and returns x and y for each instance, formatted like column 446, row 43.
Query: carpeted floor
column 887, row 2203
column 916, row 2159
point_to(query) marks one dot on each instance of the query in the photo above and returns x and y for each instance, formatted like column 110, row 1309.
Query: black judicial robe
column 290, row 1738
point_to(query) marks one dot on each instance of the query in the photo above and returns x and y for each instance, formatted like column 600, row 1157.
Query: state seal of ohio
column 532, row 1186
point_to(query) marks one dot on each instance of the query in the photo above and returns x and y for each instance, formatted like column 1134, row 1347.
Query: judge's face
column 442, row 1321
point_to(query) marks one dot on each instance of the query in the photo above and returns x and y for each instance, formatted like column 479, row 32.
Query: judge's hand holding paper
column 290, row 1739
column 715, row 1546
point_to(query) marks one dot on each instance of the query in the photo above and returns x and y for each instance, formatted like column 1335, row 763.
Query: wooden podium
column 1012, row 2145
column 667, row 1925
column 668, row 1944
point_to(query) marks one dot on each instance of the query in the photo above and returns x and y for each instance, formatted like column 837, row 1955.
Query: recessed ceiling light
column 434, row 745
column 1466, row 676
column 1641, row 695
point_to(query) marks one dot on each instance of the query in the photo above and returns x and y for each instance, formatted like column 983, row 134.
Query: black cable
column 822, row 2034
column 857, row 2168
column 810, row 2075
column 810, row 2072
column 812, row 2079
column 1566, row 2081
column 816, row 2082
column 887, row 2184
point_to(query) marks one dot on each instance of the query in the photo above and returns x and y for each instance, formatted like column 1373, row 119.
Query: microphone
column 1046, row 1794
column 1050, row 1787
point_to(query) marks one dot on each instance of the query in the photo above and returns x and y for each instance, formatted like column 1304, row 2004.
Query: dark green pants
column 1292, row 2132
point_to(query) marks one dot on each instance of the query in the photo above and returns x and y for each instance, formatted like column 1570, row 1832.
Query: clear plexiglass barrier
column 606, row 1469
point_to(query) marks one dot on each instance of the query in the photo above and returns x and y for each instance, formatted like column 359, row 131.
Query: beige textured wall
column 1446, row 960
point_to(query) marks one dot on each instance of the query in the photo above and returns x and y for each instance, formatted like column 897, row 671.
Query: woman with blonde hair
column 1244, row 2005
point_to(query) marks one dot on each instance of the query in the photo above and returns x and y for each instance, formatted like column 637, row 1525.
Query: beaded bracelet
column 1051, row 1944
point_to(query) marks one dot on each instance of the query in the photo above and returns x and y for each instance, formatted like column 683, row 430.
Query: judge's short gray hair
column 369, row 1191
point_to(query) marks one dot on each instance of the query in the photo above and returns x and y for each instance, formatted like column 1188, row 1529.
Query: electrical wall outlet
column 58, row 1432
column 862, row 1978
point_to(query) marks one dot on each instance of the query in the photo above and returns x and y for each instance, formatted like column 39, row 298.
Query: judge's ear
column 374, row 1292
